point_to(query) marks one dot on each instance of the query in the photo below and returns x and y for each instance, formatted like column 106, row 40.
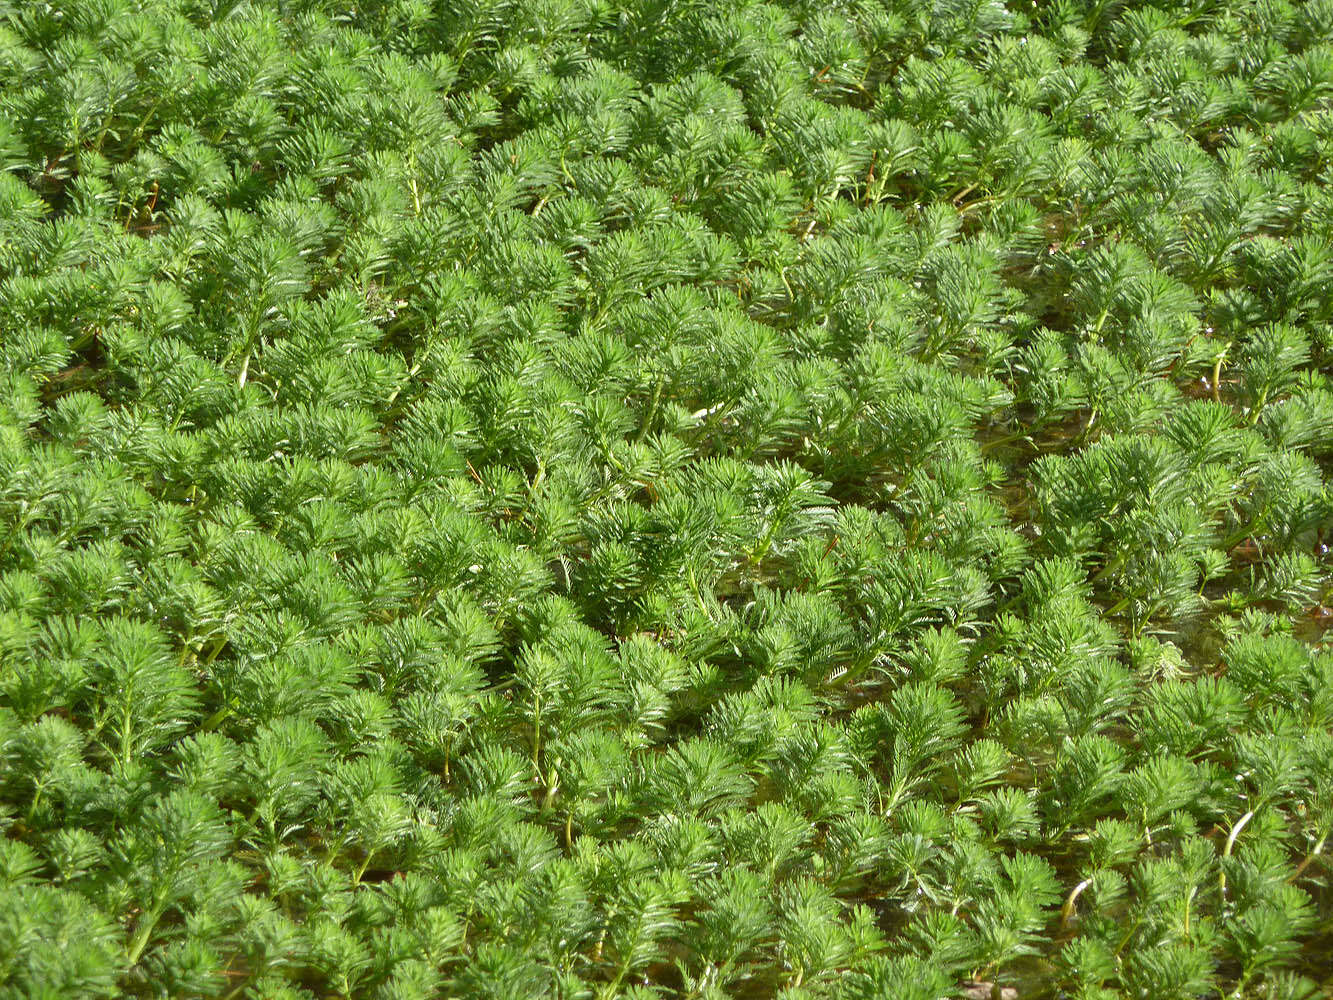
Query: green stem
column 361, row 868
column 1231, row 842
column 143, row 931
column 1217, row 373
column 1067, row 911
column 651, row 415
column 537, row 733
column 1300, row 869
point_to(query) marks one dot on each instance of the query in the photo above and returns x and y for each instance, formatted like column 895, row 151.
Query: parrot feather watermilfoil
column 666, row 499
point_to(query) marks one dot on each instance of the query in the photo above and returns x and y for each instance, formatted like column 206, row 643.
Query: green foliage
column 554, row 498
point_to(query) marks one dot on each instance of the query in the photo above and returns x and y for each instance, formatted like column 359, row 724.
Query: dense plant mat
column 703, row 499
